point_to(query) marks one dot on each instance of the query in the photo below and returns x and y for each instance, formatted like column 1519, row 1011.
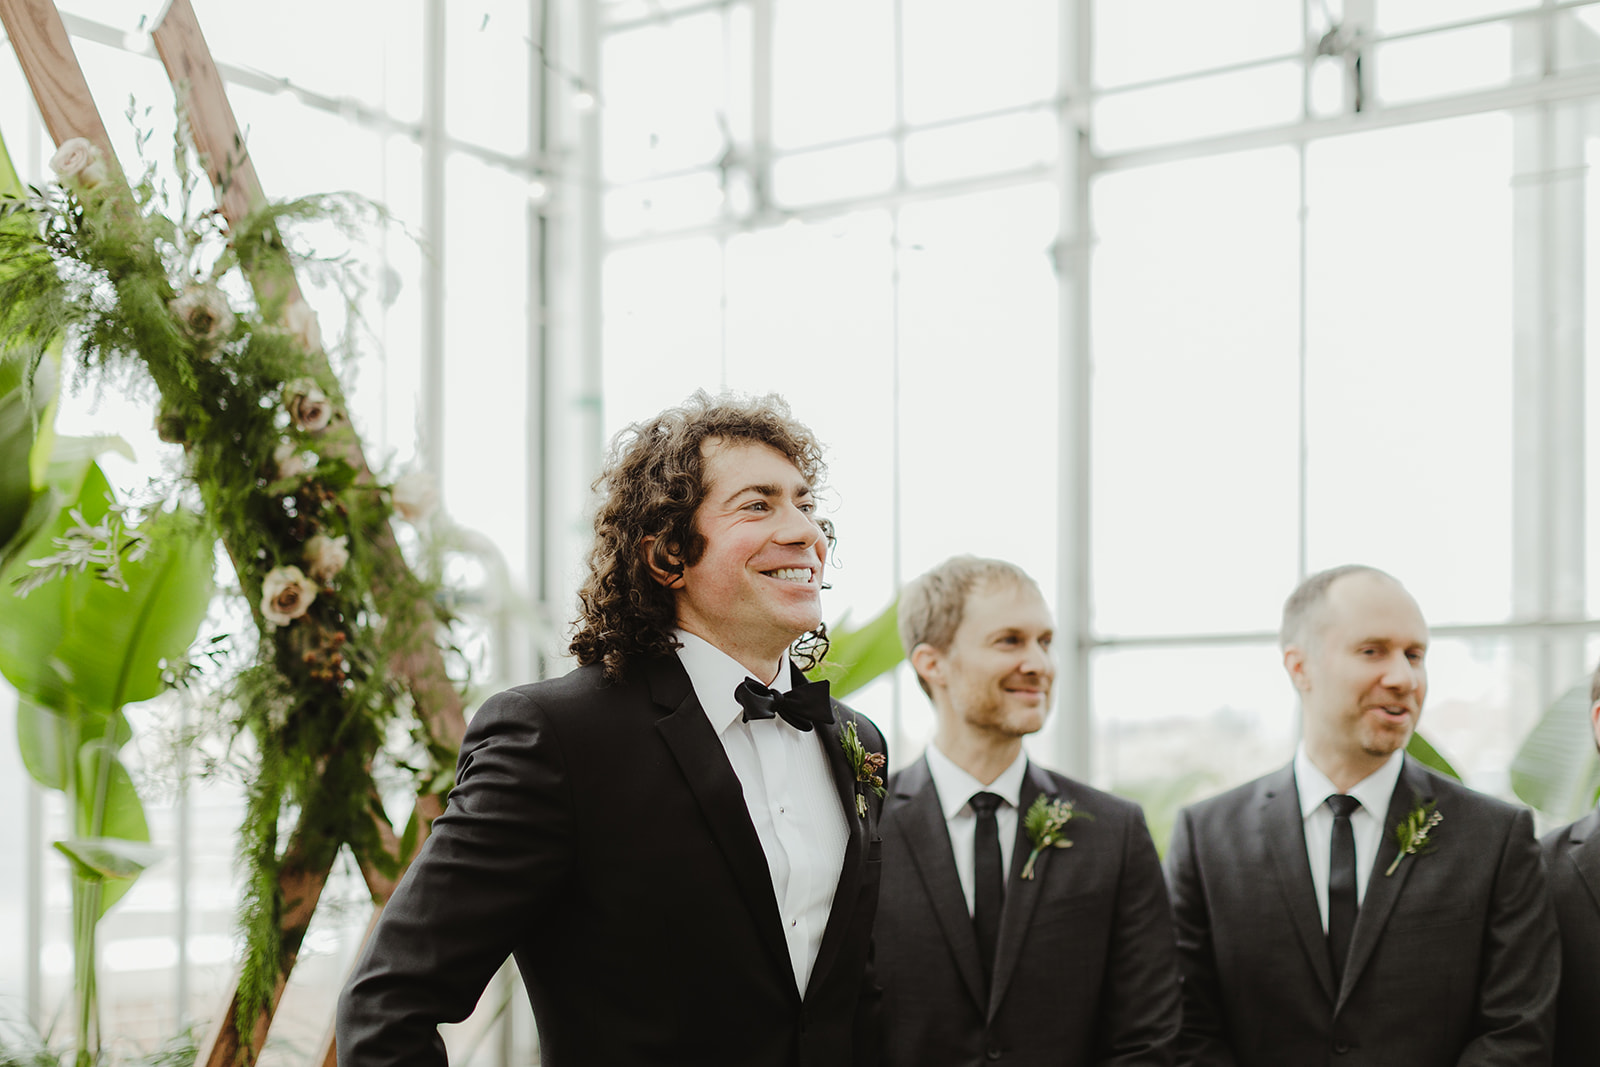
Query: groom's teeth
column 792, row 574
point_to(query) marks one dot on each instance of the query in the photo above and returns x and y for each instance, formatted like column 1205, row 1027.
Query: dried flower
column 868, row 766
column 204, row 312
column 307, row 405
column 414, row 495
column 301, row 322
column 291, row 464
column 326, row 557
column 171, row 428
column 286, row 593
column 78, row 162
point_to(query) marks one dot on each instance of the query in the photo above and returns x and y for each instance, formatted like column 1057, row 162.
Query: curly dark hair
column 652, row 484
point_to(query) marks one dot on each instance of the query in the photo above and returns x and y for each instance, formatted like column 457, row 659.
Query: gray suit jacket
column 1572, row 858
column 1454, row 959
column 1085, row 968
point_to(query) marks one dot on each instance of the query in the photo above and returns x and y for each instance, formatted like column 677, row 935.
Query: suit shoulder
column 1226, row 806
column 1447, row 789
column 574, row 695
column 1097, row 802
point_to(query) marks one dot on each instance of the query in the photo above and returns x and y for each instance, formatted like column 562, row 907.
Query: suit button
column 1341, row 1047
column 993, row 1053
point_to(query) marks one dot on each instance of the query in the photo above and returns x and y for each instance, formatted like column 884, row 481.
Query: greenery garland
column 152, row 286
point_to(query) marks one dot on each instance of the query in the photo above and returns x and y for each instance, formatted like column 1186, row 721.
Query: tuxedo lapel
column 716, row 789
column 1585, row 853
column 1284, row 835
column 831, row 736
column 921, row 820
column 1384, row 889
column 1022, row 894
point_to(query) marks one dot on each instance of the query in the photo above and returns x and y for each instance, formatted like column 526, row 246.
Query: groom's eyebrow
column 802, row 490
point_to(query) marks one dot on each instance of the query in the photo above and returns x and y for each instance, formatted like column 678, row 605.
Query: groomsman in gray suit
column 1355, row 908
column 996, row 942
column 1572, row 856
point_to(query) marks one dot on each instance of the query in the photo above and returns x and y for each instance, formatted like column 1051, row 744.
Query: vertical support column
column 431, row 447
column 536, row 441
column 1074, row 732
column 1548, row 394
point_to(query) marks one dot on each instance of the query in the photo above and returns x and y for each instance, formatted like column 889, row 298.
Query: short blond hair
column 932, row 605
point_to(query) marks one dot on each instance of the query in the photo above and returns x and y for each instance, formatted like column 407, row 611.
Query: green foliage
column 856, row 657
column 1557, row 769
column 1424, row 753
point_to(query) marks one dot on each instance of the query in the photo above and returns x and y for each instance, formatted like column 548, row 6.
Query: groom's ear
column 1294, row 661
column 665, row 565
column 929, row 664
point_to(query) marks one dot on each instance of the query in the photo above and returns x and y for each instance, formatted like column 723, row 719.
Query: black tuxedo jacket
column 1085, row 968
column 1572, row 858
column 1453, row 960
column 598, row 833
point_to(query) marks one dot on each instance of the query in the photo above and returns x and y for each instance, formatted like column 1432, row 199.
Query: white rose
column 307, row 405
column 414, row 496
column 286, row 594
column 301, row 322
column 326, row 557
column 291, row 464
column 78, row 162
column 204, row 312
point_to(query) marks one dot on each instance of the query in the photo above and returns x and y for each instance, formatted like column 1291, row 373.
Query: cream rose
column 301, row 322
column 414, row 496
column 326, row 557
column 286, row 594
column 79, row 163
column 307, row 405
column 204, row 312
column 291, row 464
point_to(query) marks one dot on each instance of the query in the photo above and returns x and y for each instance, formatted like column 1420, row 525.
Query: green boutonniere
column 868, row 766
column 1046, row 821
column 1412, row 833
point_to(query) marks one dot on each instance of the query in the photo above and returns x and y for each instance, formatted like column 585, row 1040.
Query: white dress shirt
column 1366, row 822
column 955, row 788
column 790, row 794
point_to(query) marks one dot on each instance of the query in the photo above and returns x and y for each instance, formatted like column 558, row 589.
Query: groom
column 671, row 840
column 985, row 952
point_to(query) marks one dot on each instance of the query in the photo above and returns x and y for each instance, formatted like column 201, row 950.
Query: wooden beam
column 51, row 66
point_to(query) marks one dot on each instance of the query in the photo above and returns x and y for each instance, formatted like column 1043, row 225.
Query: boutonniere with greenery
column 868, row 766
column 1412, row 833
column 1046, row 823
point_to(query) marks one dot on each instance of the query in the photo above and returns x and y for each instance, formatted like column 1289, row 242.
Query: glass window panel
column 991, row 146
column 827, row 84
column 24, row 139
column 1473, row 715
column 1398, row 16
column 1202, row 107
column 665, row 98
column 663, row 206
column 487, row 58
column 1578, row 38
column 978, row 380
column 299, row 150
column 1175, row 725
column 1409, row 262
column 1195, row 394
column 368, row 52
column 1591, row 317
column 834, row 173
column 965, row 58
column 663, row 327
column 810, row 315
column 1137, row 40
column 14, row 787
column 483, row 485
column 1439, row 64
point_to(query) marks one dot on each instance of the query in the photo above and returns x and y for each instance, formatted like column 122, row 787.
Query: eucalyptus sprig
column 868, row 767
column 1046, row 822
column 1412, row 833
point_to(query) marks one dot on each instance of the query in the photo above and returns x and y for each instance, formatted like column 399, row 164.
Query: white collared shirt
column 789, row 792
column 1366, row 822
column 955, row 788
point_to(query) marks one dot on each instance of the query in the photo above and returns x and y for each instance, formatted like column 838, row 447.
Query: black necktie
column 803, row 707
column 1341, row 882
column 988, row 885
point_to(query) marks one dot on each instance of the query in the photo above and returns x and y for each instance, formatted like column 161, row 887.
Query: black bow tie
column 802, row 707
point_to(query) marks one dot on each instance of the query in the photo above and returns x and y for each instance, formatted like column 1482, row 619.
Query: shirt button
column 782, row 809
column 793, row 923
